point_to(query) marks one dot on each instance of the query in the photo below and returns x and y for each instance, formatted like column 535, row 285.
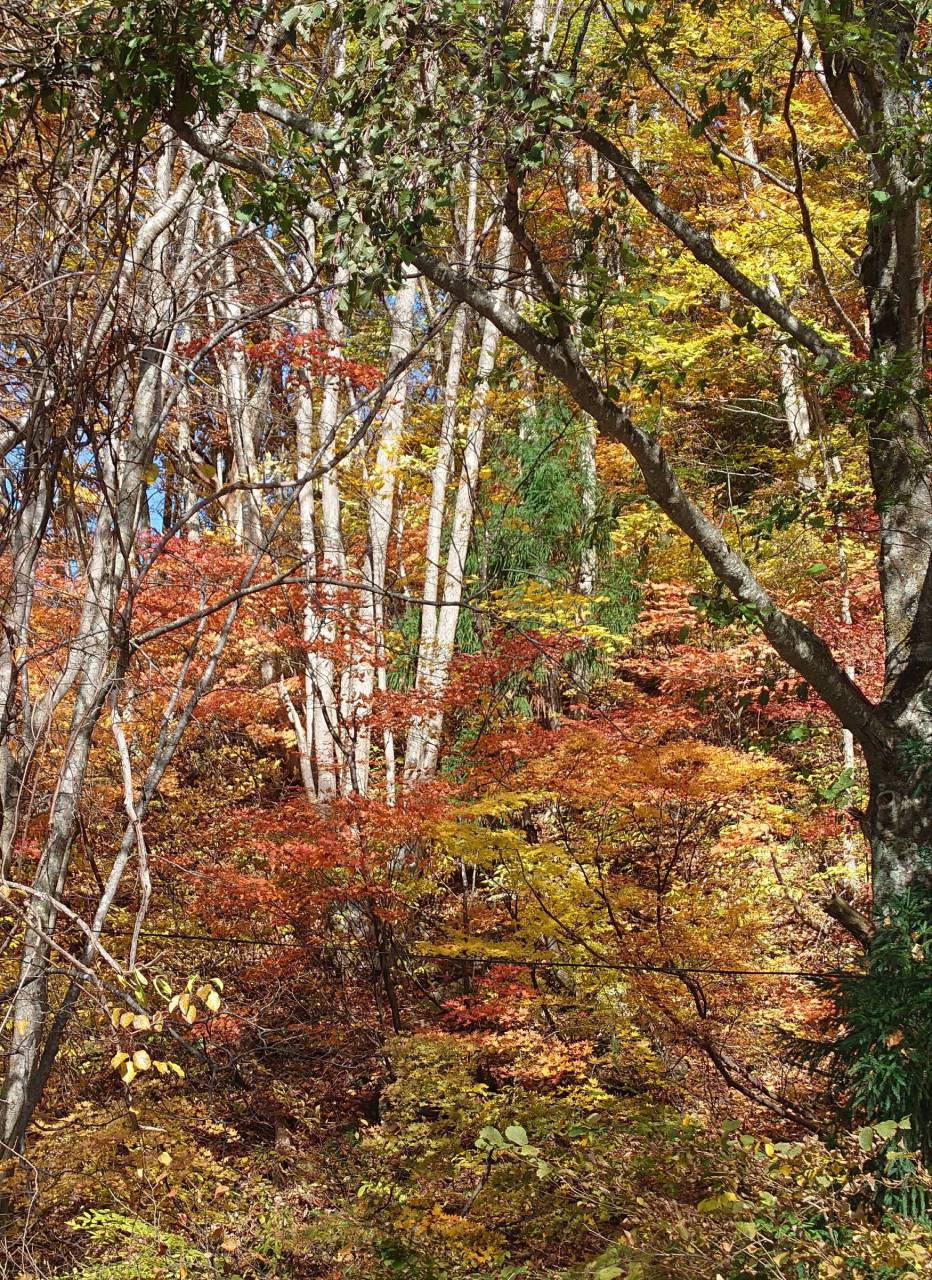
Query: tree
column 633, row 220
column 872, row 64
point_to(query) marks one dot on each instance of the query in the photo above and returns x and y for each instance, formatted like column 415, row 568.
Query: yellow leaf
column 141, row 1060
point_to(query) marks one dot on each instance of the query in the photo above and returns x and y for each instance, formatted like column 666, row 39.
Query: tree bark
column 424, row 731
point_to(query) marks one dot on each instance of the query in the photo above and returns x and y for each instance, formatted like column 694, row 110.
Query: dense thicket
column 465, row 706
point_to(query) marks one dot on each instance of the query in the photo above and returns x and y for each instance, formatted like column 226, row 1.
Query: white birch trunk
column 440, row 474
column 369, row 671
column 333, row 762
column 308, row 743
column 425, row 729
column 241, row 401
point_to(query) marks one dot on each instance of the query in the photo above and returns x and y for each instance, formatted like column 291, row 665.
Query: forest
column 465, row 640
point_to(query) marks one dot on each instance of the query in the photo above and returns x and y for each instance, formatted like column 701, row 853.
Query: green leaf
column 279, row 89
column 516, row 1134
column 490, row 1137
column 865, row 1138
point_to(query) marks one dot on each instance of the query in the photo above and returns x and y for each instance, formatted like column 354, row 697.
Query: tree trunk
column 96, row 652
column 425, row 728
column 899, row 818
column 370, row 667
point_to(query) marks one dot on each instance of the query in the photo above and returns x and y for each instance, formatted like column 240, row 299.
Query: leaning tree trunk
column 96, row 653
